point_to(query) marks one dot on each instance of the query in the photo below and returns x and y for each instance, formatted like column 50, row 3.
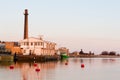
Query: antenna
column 40, row 37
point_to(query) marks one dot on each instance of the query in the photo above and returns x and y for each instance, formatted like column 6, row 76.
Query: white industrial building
column 37, row 46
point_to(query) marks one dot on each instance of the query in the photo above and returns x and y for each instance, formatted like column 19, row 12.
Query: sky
column 91, row 25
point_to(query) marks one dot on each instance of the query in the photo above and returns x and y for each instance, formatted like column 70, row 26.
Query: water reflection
column 60, row 71
column 4, row 64
column 29, row 72
column 108, row 60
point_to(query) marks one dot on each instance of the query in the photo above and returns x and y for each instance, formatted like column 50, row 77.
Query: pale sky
column 91, row 25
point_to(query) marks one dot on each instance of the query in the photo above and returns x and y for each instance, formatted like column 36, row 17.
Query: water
column 95, row 69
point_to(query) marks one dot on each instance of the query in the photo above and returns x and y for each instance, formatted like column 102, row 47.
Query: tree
column 112, row 53
column 104, row 53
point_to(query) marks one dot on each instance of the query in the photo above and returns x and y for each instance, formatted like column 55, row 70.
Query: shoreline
column 46, row 58
column 35, row 58
column 95, row 56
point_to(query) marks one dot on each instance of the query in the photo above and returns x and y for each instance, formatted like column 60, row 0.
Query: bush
column 112, row 53
column 104, row 53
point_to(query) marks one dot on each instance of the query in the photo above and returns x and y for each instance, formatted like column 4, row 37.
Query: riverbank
column 46, row 58
column 95, row 56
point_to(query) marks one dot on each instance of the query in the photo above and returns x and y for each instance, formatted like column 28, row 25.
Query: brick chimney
column 26, row 24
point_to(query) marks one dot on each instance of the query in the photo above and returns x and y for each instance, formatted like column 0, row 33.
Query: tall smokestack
column 26, row 24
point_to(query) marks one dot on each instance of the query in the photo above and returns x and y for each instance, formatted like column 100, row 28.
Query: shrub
column 112, row 53
column 104, row 53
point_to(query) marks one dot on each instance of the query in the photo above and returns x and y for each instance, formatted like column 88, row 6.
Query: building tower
column 26, row 24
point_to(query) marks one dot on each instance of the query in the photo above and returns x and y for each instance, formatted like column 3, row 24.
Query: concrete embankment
column 36, row 58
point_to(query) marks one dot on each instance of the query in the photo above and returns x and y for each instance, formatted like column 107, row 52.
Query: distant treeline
column 109, row 53
column 91, row 53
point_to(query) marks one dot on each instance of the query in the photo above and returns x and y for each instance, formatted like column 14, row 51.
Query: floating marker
column 66, row 63
column 82, row 65
column 11, row 67
column 37, row 69
column 35, row 64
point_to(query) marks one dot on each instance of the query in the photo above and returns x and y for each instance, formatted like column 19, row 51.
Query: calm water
column 95, row 69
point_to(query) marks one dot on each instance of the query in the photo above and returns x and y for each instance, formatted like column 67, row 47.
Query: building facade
column 12, row 47
column 37, row 46
column 63, row 50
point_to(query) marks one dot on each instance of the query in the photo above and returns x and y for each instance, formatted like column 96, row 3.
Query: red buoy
column 66, row 63
column 35, row 64
column 11, row 67
column 82, row 65
column 37, row 69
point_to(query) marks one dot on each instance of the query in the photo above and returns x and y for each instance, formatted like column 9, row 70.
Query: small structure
column 81, row 52
column 75, row 53
column 2, row 47
column 13, row 47
column 9, row 48
column 63, row 50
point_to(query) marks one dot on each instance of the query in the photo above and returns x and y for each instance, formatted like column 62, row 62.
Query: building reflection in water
column 28, row 71
column 57, row 70
column 108, row 60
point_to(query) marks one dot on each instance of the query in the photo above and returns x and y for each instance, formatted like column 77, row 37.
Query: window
column 38, row 43
column 27, row 43
column 35, row 43
column 31, row 43
column 41, row 43
column 24, row 51
column 24, row 43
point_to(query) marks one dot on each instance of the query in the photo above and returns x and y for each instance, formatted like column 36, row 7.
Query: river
column 70, row 69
